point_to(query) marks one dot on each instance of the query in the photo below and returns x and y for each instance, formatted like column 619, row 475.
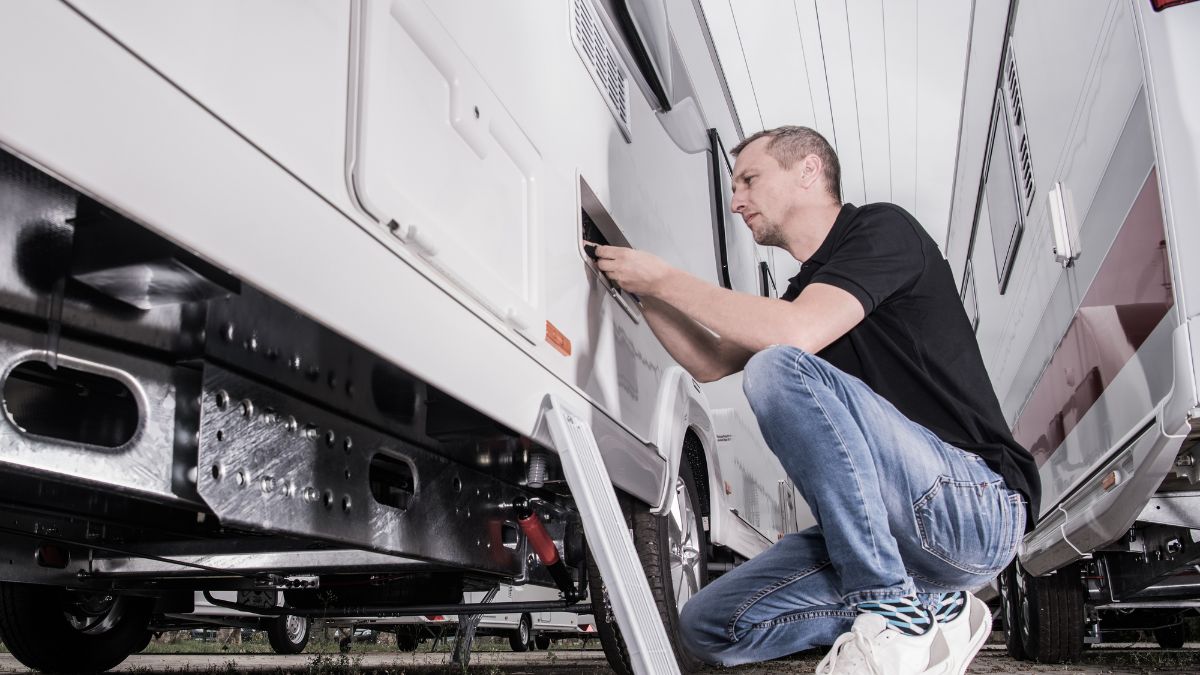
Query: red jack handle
column 543, row 546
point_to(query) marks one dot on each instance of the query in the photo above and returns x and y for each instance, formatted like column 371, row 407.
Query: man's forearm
column 749, row 323
column 746, row 324
column 704, row 355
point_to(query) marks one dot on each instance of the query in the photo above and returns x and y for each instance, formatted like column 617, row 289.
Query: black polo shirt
column 916, row 347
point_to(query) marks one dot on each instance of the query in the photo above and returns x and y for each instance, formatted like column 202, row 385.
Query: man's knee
column 766, row 371
column 702, row 632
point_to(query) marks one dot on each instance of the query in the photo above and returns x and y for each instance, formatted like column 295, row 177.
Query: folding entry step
column 650, row 651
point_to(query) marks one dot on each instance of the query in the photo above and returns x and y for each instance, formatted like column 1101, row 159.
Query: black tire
column 55, row 630
column 1010, row 611
column 542, row 642
column 407, row 639
column 1171, row 637
column 521, row 637
column 288, row 634
column 141, row 644
column 652, row 538
column 1051, row 615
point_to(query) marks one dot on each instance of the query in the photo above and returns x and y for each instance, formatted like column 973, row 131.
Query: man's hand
column 638, row 272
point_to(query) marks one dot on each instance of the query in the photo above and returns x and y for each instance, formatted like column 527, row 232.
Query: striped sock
column 905, row 614
column 949, row 606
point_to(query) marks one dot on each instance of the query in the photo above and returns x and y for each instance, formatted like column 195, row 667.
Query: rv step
column 649, row 650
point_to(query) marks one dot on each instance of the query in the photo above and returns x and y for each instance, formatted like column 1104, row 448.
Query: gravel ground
column 1125, row 660
column 1122, row 660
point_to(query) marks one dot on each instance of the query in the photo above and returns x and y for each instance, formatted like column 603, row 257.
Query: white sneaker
column 966, row 634
column 873, row 646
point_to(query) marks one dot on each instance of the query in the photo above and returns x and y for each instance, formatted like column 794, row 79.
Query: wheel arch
column 685, row 425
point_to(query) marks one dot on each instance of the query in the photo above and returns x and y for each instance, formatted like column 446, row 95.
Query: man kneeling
column 868, row 385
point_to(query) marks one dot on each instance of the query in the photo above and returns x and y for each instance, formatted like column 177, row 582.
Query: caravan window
column 738, row 265
column 1004, row 207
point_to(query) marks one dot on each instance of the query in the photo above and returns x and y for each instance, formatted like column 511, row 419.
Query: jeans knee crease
column 853, row 471
column 730, row 627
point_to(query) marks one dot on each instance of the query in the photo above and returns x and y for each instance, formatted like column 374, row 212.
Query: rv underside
column 170, row 428
column 1150, row 579
column 1157, row 562
column 1147, row 579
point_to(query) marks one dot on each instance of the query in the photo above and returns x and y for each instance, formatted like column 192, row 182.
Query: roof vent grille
column 1016, row 110
column 599, row 54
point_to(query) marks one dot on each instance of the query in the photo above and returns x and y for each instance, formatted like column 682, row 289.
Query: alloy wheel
column 685, row 554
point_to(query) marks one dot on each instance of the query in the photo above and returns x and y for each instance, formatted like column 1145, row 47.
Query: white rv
column 524, row 631
column 1075, row 213
column 297, row 301
column 290, row 634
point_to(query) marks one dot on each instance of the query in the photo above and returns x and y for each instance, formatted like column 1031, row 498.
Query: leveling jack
column 542, row 545
column 547, row 552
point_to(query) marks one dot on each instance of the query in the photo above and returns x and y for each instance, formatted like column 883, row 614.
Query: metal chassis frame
column 274, row 464
column 143, row 466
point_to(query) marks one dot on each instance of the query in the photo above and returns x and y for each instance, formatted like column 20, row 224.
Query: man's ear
column 810, row 170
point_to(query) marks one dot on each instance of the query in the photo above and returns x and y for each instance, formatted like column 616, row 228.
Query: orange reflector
column 557, row 339
column 435, row 617
column 1110, row 481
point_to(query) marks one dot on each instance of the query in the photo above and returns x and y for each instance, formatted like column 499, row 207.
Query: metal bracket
column 1181, row 509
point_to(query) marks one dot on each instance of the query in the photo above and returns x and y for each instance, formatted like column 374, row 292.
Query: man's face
column 763, row 192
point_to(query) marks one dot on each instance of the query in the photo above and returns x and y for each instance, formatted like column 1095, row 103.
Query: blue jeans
column 898, row 512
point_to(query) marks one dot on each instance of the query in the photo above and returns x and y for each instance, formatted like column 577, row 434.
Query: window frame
column 1006, row 262
column 969, row 291
column 718, row 163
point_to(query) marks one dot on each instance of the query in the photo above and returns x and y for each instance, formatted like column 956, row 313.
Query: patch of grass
column 328, row 664
column 318, row 645
column 206, row 647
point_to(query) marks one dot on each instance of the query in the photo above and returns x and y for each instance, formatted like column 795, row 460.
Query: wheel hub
column 294, row 627
column 684, row 548
column 94, row 613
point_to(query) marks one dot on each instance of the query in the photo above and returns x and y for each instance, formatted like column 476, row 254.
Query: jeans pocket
column 968, row 525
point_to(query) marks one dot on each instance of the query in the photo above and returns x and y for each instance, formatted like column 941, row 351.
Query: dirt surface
column 1122, row 660
column 1114, row 661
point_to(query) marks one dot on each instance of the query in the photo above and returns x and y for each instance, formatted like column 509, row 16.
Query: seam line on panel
column 887, row 101
column 746, row 60
column 862, row 165
column 825, row 67
column 812, row 105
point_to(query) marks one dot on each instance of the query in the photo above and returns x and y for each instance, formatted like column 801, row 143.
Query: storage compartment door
column 437, row 159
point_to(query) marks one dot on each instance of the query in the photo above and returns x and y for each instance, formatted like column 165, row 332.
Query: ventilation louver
column 1020, row 139
column 600, row 56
